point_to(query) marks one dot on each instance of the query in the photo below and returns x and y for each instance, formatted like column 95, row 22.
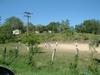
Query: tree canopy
column 89, row 26
column 12, row 23
column 9, row 25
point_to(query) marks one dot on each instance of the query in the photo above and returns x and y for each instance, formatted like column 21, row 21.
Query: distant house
column 36, row 32
column 16, row 32
column 49, row 31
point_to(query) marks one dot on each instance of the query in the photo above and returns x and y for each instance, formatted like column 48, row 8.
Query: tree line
column 13, row 23
column 88, row 26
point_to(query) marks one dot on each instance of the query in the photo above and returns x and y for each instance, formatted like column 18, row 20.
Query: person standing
column 77, row 50
column 56, row 43
column 45, row 44
column 48, row 45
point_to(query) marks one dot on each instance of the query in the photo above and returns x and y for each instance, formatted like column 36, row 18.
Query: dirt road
column 68, row 47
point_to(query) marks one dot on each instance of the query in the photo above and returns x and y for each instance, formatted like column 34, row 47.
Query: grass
column 41, row 62
column 43, row 66
column 62, row 37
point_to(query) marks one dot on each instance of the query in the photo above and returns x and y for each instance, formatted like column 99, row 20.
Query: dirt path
column 68, row 47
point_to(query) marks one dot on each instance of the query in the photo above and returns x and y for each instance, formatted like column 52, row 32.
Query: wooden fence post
column 53, row 55
column 16, row 52
column 17, row 47
column 4, row 53
column 77, row 50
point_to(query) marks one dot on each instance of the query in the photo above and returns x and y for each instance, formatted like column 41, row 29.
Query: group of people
column 49, row 45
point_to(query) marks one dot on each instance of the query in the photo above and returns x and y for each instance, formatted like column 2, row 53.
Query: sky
column 46, row 11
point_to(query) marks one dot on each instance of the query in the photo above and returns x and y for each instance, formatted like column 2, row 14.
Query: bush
column 16, row 53
column 2, row 38
column 31, row 40
column 95, row 42
column 86, row 38
column 73, row 66
column 37, row 49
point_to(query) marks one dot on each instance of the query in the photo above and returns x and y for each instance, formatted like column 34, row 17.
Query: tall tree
column 89, row 26
column 72, row 29
column 65, row 25
column 11, row 24
column 40, row 28
column 53, row 26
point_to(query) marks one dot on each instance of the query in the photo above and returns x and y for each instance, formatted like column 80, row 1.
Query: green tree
column 89, row 26
column 72, row 29
column 65, row 25
column 31, row 27
column 12, row 23
column 79, row 28
column 41, row 28
column 2, row 38
column 54, row 26
column 30, row 39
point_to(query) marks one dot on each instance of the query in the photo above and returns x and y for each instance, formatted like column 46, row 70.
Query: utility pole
column 28, row 16
column 0, row 20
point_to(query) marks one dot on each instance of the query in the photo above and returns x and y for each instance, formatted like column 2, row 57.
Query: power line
column 28, row 16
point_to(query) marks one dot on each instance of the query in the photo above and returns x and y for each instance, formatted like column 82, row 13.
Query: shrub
column 31, row 50
column 31, row 40
column 95, row 42
column 73, row 66
column 2, row 38
column 86, row 38
column 31, row 62
column 16, row 53
column 93, row 67
column 37, row 49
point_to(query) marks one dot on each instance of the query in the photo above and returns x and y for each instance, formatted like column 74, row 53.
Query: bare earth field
column 68, row 47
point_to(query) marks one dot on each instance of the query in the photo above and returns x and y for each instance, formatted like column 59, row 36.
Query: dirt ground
column 68, row 47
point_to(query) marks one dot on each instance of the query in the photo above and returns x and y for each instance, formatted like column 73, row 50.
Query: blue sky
column 46, row 11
